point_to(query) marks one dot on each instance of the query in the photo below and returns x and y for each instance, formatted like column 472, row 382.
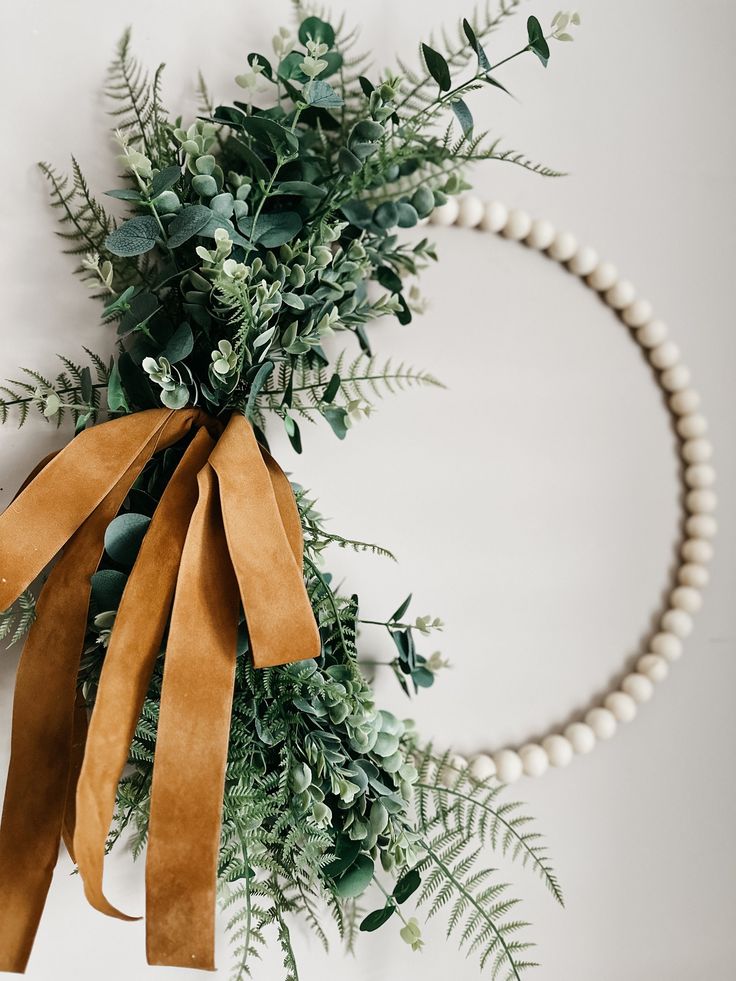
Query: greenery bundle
column 258, row 231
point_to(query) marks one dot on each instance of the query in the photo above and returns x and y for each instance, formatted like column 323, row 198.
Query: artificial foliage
column 237, row 246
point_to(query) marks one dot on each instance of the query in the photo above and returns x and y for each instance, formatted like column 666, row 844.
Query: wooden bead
column 698, row 450
column 495, row 216
column 518, row 226
column 452, row 770
column 534, row 760
column 666, row 645
column 638, row 686
column 701, row 501
column 446, row 214
column 653, row 666
column 581, row 737
column 652, row 334
column 583, row 263
column 701, row 526
column 508, row 765
column 602, row 721
column 621, row 294
column 638, row 313
column 700, row 475
column 676, row 378
column 665, row 355
column 677, row 622
column 541, row 234
column 558, row 749
column 686, row 598
column 693, row 575
column 603, row 277
column 470, row 213
column 482, row 767
column 697, row 550
column 692, row 425
column 684, row 402
column 621, row 704
column 564, row 247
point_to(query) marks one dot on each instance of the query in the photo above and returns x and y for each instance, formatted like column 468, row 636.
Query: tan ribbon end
column 100, row 903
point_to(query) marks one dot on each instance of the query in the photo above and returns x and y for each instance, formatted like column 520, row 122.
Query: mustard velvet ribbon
column 226, row 532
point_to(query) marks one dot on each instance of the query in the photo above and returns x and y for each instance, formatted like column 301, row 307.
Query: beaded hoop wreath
column 621, row 703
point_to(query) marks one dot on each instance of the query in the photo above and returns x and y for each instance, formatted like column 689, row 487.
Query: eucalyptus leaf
column 302, row 189
column 437, row 67
column 463, row 116
column 483, row 63
column 316, row 29
column 180, row 345
column 537, row 41
column 377, row 918
column 357, row 878
column 322, row 94
column 337, row 418
column 272, row 228
column 187, row 223
column 407, row 886
column 165, row 179
column 123, row 537
column 134, row 237
column 259, row 380
column 124, row 194
column 116, row 399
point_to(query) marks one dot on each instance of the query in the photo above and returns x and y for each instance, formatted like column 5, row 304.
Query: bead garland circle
column 620, row 704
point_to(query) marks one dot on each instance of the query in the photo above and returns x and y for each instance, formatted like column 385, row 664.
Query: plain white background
column 533, row 505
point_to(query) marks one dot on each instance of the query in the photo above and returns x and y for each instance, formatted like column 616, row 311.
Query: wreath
column 191, row 677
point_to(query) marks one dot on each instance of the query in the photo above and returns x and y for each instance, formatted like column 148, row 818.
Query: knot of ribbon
column 226, row 532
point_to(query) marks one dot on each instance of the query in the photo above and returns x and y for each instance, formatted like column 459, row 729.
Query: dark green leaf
column 267, row 131
column 346, row 852
column 123, row 537
column 337, row 418
column 124, row 194
column 107, row 589
column 272, row 229
column 180, row 345
column 261, row 376
column 348, row 162
column 257, row 167
column 366, row 85
column 388, row 279
column 357, row 878
column 358, row 213
column 497, row 84
column 437, row 67
column 463, row 115
column 406, row 886
column 422, row 677
column 133, row 237
column 377, row 918
column 259, row 59
column 483, row 64
column 302, row 189
column 537, row 41
column 187, row 223
column 85, row 384
column 386, row 215
column 396, row 618
column 116, row 400
column 295, row 437
column 317, row 30
column 165, row 179
column 333, row 387
column 322, row 94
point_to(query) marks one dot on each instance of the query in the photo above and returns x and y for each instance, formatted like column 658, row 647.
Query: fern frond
column 15, row 622
column 72, row 391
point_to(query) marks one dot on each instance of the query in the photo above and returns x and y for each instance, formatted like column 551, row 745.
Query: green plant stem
column 390, row 901
column 331, row 600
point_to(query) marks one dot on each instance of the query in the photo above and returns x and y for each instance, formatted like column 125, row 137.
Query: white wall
column 534, row 505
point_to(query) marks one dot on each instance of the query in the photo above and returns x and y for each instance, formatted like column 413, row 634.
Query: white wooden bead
column 676, row 378
column 701, row 526
column 678, row 623
column 621, row 294
column 667, row 645
column 482, row 767
column 508, row 765
column 534, row 760
column 581, row 737
column 602, row 721
column 445, row 214
column 451, row 771
column 495, row 216
column 518, row 226
column 638, row 313
column 541, row 234
column 698, row 450
column 697, row 550
column 686, row 598
column 655, row 667
column 700, row 475
column 693, row 575
column 638, row 686
column 702, row 501
column 583, row 263
column 470, row 213
column 685, row 402
column 564, row 247
column 665, row 355
column 558, row 749
column 692, row 425
column 652, row 334
column 603, row 277
column 622, row 705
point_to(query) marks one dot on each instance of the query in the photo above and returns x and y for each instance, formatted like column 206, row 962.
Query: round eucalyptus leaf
column 357, row 878
column 123, row 537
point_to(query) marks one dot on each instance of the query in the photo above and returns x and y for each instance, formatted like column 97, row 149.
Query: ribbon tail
column 43, row 707
column 134, row 646
column 191, row 746
column 265, row 547
column 79, row 740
